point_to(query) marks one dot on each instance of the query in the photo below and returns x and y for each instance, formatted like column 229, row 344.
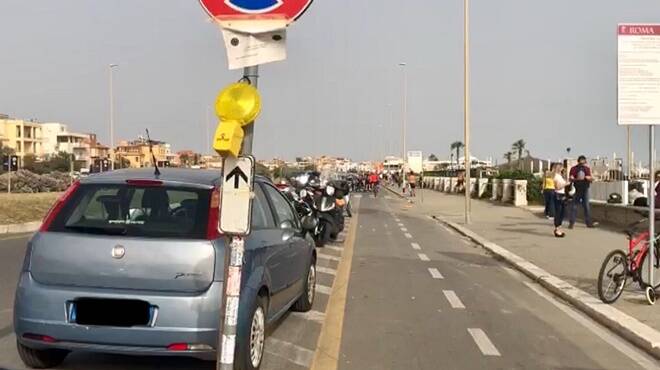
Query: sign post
column 254, row 33
column 639, row 103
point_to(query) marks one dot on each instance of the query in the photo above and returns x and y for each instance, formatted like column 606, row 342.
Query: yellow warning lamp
column 236, row 106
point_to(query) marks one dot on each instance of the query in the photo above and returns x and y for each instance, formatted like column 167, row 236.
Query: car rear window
column 153, row 211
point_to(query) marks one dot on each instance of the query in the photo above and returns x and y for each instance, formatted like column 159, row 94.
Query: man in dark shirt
column 580, row 176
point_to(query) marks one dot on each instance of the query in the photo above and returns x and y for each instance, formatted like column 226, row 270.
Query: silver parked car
column 132, row 263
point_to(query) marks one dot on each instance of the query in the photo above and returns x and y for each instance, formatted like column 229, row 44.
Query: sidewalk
column 576, row 259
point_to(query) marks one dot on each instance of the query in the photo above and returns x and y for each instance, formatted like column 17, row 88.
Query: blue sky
column 541, row 71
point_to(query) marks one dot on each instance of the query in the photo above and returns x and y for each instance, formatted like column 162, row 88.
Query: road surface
column 418, row 296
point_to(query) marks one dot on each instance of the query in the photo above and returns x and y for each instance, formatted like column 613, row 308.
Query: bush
column 25, row 181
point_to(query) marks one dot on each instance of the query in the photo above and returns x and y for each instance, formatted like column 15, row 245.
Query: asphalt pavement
column 422, row 297
column 417, row 296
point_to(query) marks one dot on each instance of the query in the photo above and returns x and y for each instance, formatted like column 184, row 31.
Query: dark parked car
column 132, row 263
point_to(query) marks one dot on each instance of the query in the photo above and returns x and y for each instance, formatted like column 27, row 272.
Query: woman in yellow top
column 548, row 184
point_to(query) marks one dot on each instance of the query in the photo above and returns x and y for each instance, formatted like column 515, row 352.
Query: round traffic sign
column 222, row 10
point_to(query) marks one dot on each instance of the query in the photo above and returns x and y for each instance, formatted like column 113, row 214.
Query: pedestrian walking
column 412, row 183
column 548, row 188
column 656, row 187
column 580, row 176
column 560, row 184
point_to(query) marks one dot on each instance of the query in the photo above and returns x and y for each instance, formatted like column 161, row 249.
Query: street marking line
column 332, row 247
column 404, row 229
column 323, row 289
column 328, row 257
column 415, row 246
column 315, row 316
column 408, row 235
column 400, row 224
column 326, row 355
column 435, row 273
column 485, row 345
column 289, row 351
column 641, row 358
column 423, row 257
column 326, row 270
column 397, row 220
column 453, row 299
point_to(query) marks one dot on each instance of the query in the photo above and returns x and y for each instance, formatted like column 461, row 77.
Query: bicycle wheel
column 612, row 276
column 643, row 270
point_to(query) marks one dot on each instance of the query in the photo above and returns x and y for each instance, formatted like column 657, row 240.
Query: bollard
column 495, row 188
column 520, row 195
column 507, row 191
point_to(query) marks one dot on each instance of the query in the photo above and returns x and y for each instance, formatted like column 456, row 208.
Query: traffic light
column 10, row 163
column 237, row 105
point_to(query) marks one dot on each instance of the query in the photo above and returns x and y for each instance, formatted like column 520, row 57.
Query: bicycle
column 628, row 265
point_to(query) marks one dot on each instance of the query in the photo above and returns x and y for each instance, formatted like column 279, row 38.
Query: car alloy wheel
column 311, row 283
column 257, row 337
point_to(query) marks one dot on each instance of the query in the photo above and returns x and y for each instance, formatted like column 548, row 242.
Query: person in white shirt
column 560, row 198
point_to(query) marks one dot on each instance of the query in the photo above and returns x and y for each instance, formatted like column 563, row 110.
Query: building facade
column 24, row 137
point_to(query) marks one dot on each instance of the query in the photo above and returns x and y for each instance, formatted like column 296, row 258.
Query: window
column 262, row 217
column 18, row 131
column 157, row 212
column 282, row 207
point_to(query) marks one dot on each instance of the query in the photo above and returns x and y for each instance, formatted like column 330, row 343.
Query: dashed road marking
column 423, row 257
column 415, row 246
column 404, row 229
column 326, row 270
column 453, row 299
column 294, row 353
column 435, row 273
column 400, row 224
column 408, row 235
column 315, row 316
column 485, row 345
column 397, row 220
column 323, row 289
column 328, row 257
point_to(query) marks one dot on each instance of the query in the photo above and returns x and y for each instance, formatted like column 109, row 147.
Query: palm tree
column 519, row 147
column 458, row 145
column 508, row 156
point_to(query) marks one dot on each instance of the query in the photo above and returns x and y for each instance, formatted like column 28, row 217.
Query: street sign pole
column 466, row 108
column 9, row 177
column 252, row 75
column 651, row 198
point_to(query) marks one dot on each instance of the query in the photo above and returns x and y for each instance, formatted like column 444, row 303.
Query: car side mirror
column 309, row 222
column 288, row 231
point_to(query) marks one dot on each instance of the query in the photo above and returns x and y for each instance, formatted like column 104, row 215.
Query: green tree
column 433, row 158
column 508, row 156
column 457, row 145
column 519, row 147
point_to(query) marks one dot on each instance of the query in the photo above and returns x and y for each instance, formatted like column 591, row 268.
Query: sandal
column 559, row 234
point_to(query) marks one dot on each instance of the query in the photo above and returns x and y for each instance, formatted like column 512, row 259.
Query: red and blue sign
column 228, row 9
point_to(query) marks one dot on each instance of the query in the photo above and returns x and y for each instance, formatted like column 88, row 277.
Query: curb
column 642, row 335
column 27, row 227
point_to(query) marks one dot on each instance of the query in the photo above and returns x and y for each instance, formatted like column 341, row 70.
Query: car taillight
column 57, row 206
column 213, row 227
column 39, row 337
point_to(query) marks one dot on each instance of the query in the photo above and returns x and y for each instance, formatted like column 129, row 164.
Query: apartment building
column 24, row 137
column 137, row 154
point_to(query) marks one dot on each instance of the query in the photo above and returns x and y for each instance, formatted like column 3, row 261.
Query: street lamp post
column 112, row 117
column 466, row 107
column 405, row 111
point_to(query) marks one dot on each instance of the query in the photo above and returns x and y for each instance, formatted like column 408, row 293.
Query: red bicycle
column 618, row 266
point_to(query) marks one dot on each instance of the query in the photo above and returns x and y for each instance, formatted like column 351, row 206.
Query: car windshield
column 136, row 211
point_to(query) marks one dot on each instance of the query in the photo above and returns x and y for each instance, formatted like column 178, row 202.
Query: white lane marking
column 357, row 196
column 289, row 351
column 415, row 246
column 408, row 235
column 397, row 220
column 435, row 273
column 328, row 257
column 323, row 289
column 485, row 345
column 423, row 257
column 641, row 358
column 453, row 299
column 400, row 224
column 332, row 247
column 404, row 229
column 326, row 270
column 315, row 316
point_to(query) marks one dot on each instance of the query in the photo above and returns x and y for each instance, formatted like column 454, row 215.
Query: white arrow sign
column 237, row 185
